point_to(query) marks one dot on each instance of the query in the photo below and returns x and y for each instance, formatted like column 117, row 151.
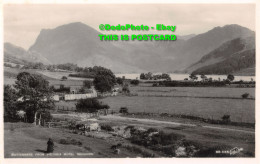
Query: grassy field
column 203, row 102
column 53, row 77
column 205, row 137
column 26, row 138
column 207, row 102
column 66, row 105
column 193, row 91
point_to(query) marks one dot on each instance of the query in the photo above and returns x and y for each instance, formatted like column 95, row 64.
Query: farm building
column 56, row 97
column 75, row 89
column 91, row 93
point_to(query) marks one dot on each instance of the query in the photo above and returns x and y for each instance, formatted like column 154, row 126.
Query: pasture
column 53, row 77
column 207, row 102
column 213, row 92
column 26, row 138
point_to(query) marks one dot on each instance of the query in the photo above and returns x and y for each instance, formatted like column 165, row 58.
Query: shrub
column 123, row 110
column 64, row 142
column 45, row 115
column 226, row 119
column 126, row 89
column 166, row 139
column 150, row 130
column 245, row 95
column 134, row 82
column 106, row 127
column 144, row 138
column 90, row 105
column 139, row 150
column 64, row 78
column 168, row 150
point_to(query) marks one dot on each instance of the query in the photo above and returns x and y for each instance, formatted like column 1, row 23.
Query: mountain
column 200, row 45
column 78, row 43
column 233, row 56
column 18, row 55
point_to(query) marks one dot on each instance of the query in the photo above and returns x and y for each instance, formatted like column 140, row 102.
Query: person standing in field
column 50, row 146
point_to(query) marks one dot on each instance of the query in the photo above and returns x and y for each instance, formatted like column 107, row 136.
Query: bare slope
column 231, row 57
column 79, row 43
column 18, row 55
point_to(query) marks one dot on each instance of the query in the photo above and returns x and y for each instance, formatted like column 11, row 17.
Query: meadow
column 53, row 77
column 207, row 102
column 226, row 92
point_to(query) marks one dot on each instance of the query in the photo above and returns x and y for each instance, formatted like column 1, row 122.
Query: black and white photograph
column 117, row 80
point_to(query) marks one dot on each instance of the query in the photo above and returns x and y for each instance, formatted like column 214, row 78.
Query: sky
column 23, row 23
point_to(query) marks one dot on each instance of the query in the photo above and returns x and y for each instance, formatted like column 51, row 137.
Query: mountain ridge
column 78, row 43
column 231, row 57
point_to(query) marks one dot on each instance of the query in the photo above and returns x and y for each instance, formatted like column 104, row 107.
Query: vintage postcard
column 129, row 80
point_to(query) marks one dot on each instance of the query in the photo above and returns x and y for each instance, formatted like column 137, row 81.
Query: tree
column 90, row 105
column 166, row 76
column 230, row 77
column 35, row 93
column 134, row 82
column 203, row 77
column 193, row 77
column 125, row 89
column 142, row 76
column 67, row 66
column 87, row 83
column 104, row 79
column 10, row 98
column 149, row 76
column 119, row 81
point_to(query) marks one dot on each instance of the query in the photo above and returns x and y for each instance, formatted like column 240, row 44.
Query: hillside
column 18, row 55
column 231, row 57
column 78, row 43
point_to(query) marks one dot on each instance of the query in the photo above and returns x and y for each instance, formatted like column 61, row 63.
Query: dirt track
column 157, row 122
